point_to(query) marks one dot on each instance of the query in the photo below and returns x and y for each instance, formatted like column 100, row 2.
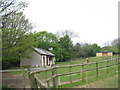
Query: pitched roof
column 104, row 51
column 43, row 52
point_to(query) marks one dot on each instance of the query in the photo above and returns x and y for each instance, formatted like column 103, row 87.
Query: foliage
column 16, row 31
column 85, row 50
column 65, row 48
column 7, row 7
column 78, row 51
column 115, row 46
column 96, row 48
column 44, row 40
column 61, row 47
column 6, row 87
column 69, row 33
column 88, row 50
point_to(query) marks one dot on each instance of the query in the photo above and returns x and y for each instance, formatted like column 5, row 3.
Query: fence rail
column 55, row 74
column 38, row 71
column 2, row 71
column 36, row 82
column 18, row 80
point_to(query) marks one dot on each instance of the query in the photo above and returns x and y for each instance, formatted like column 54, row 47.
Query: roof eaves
column 43, row 52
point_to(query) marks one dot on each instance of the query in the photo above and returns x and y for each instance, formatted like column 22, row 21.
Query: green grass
column 79, row 68
column 80, row 61
column 90, row 80
column 91, row 74
column 20, row 73
column 109, row 82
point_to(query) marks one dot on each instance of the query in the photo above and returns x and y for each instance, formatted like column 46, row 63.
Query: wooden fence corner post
column 33, row 82
column 55, row 79
column 23, row 81
column 47, row 78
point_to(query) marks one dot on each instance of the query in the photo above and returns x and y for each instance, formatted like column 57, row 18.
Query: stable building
column 38, row 58
column 104, row 53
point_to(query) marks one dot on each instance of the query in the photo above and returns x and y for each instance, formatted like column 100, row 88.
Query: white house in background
column 39, row 58
column 104, row 53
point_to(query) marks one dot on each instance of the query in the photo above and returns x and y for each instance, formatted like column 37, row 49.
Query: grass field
column 92, row 79
column 109, row 82
column 91, row 75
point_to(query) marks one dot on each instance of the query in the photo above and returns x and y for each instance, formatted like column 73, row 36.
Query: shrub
column 7, row 87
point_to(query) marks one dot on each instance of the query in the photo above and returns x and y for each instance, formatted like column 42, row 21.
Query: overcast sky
column 96, row 21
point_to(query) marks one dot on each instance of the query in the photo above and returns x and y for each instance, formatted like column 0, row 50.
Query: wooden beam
column 55, row 79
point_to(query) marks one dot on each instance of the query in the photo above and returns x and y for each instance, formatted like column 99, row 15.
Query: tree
column 7, row 7
column 69, row 33
column 78, row 51
column 114, row 47
column 116, row 42
column 96, row 48
column 45, row 40
column 16, row 31
column 85, row 50
column 65, row 49
column 61, row 47
column 88, row 49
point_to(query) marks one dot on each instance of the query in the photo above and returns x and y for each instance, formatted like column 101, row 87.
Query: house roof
column 104, row 51
column 43, row 52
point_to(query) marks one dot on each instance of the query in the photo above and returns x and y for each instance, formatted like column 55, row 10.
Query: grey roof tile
column 44, row 52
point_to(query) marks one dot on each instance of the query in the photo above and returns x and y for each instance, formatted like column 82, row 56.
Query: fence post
column 86, row 79
column 82, row 70
column 33, row 82
column 55, row 79
column 107, row 67
column 46, row 78
column 70, row 74
column 118, row 60
column 23, row 81
column 97, row 69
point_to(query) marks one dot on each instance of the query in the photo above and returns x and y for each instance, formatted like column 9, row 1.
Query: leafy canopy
column 16, row 31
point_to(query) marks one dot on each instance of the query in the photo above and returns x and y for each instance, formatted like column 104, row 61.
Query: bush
column 7, row 87
column 8, row 63
column 26, row 66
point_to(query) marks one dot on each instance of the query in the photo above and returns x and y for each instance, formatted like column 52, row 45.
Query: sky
column 95, row 21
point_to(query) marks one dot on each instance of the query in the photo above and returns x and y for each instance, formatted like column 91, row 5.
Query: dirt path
column 14, row 80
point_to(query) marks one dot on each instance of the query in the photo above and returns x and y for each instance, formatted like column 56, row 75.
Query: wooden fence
column 38, row 83
column 16, row 80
